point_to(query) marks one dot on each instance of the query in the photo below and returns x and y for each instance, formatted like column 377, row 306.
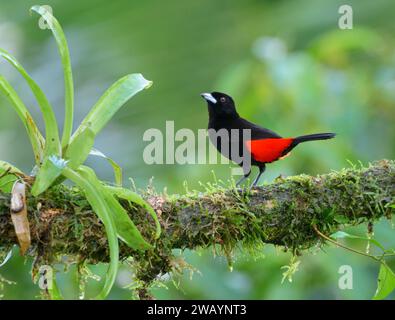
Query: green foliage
column 48, row 172
column 133, row 197
column 112, row 100
column 36, row 138
column 52, row 143
column 100, row 206
column 55, row 159
column 126, row 229
column 8, row 175
column 68, row 76
column 385, row 282
column 116, row 168
column 78, row 151
column 53, row 290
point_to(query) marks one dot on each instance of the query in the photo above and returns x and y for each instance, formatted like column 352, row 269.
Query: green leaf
column 116, row 167
column 341, row 219
column 79, row 149
column 67, row 71
column 7, row 182
column 49, row 171
column 8, row 175
column 7, row 167
column 385, row 282
column 112, row 100
column 53, row 290
column 342, row 235
column 52, row 143
column 126, row 229
column 6, row 258
column 36, row 139
column 131, row 196
column 95, row 198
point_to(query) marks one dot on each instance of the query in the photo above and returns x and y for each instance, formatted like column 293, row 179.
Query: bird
column 246, row 143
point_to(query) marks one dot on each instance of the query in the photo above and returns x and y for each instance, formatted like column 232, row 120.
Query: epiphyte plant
column 60, row 158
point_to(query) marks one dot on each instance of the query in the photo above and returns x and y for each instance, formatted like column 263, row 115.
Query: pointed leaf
column 5, row 166
column 112, row 100
column 131, row 196
column 52, row 145
column 385, row 282
column 67, row 71
column 36, row 139
column 100, row 207
column 116, row 167
column 8, row 175
column 126, row 229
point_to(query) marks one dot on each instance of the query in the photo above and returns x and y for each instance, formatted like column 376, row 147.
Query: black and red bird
column 263, row 145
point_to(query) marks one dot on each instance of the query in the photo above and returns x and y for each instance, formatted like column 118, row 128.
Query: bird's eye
column 222, row 99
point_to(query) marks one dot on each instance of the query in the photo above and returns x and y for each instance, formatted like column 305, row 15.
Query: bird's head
column 220, row 104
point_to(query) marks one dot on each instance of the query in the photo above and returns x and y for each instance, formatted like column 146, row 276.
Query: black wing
column 257, row 132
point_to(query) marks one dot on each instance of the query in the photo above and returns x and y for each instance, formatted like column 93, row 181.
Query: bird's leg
column 246, row 175
column 261, row 171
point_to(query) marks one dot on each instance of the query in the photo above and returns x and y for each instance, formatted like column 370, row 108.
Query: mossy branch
column 281, row 213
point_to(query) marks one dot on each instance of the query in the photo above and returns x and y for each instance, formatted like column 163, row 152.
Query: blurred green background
column 288, row 66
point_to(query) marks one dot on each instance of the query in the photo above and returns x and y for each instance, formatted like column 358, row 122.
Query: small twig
column 344, row 246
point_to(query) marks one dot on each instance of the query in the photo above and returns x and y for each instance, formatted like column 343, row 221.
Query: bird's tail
column 308, row 137
column 312, row 137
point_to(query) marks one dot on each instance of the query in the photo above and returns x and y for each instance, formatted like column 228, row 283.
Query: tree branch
column 281, row 213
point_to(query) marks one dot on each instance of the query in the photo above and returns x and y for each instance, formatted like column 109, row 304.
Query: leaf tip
column 146, row 83
column 149, row 84
column 35, row 8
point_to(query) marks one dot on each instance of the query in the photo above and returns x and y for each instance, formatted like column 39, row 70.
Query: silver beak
column 209, row 97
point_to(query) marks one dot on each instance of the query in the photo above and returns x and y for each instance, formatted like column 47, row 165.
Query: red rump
column 268, row 150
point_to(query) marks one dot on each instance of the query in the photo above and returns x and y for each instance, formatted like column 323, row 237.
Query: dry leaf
column 19, row 215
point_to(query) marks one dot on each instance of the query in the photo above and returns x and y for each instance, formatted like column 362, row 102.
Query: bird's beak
column 209, row 97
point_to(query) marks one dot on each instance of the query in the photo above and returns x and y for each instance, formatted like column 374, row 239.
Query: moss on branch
column 281, row 213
